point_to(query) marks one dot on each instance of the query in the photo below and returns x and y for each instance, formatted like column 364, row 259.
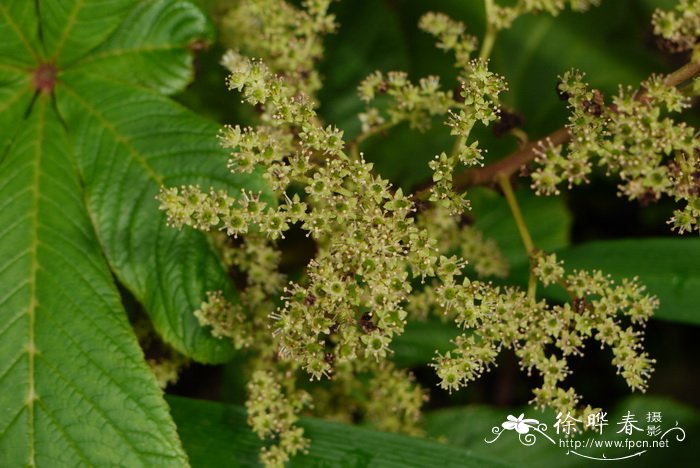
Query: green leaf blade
column 71, row 28
column 75, row 388
column 215, row 434
column 151, row 47
column 19, row 32
column 15, row 97
column 129, row 143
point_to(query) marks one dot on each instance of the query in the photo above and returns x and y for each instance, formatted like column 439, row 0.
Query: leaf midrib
column 70, row 23
column 33, row 270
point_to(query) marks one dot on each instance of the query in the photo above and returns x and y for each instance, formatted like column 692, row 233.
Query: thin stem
column 354, row 152
column 459, row 143
column 491, row 32
column 511, row 163
column 507, row 188
column 686, row 72
column 504, row 183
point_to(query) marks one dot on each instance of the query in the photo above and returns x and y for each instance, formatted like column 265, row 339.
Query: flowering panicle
column 497, row 318
column 246, row 321
column 219, row 314
column 354, row 297
column 411, row 103
column 450, row 36
column 478, row 102
column 632, row 137
column 272, row 413
column 441, row 191
column 403, row 101
column 288, row 38
column 350, row 305
column 273, row 403
column 395, row 400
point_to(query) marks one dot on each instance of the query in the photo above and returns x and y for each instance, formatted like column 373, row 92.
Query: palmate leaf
column 75, row 387
column 82, row 155
column 147, row 47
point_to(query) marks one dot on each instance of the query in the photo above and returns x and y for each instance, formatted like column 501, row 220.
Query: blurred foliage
column 214, row 434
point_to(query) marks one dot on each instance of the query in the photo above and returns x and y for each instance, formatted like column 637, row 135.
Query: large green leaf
column 124, row 159
column 15, row 96
column 215, row 434
column 71, row 28
column 468, row 427
column 83, row 152
column 75, row 387
column 150, row 47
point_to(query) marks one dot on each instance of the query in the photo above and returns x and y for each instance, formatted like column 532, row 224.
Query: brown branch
column 510, row 164
column 686, row 72
column 513, row 162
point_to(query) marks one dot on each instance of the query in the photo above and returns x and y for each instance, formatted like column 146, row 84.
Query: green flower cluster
column 381, row 260
column 450, row 35
column 411, row 103
column 349, row 307
column 476, row 100
column 370, row 247
column 254, row 262
column 632, row 137
column 287, row 37
column 245, row 322
column 272, row 413
column 502, row 17
column 395, row 400
column 544, row 336
column 680, row 27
